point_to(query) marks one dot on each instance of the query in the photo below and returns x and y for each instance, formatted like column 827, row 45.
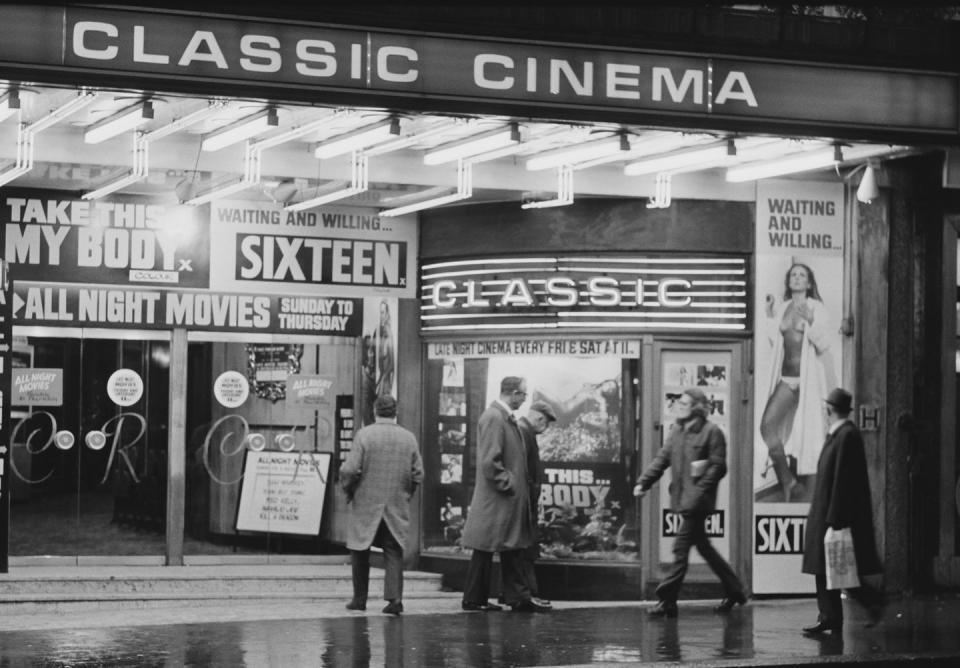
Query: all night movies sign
column 137, row 44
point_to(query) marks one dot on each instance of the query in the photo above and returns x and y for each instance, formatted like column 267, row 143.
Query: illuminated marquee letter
column 438, row 298
column 480, row 71
column 474, row 294
column 666, row 285
column 562, row 292
column 517, row 293
column 743, row 90
column 80, row 31
column 604, row 291
column 387, row 52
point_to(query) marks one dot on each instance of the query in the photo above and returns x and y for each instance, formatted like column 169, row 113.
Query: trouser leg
column 392, row 564
column 828, row 602
column 529, row 571
column 669, row 587
column 731, row 583
column 513, row 578
column 476, row 589
column 360, row 574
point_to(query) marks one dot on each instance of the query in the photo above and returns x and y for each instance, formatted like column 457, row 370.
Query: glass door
column 89, row 443
column 260, row 442
column 714, row 369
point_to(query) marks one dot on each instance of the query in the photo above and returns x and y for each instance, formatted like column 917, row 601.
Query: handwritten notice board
column 283, row 492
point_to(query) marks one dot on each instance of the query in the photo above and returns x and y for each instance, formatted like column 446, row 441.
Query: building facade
column 225, row 235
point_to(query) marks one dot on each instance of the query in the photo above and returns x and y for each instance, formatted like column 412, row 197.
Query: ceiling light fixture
column 9, row 104
column 702, row 157
column 245, row 128
column 868, row 190
column 138, row 173
column 118, row 123
column 464, row 191
column 571, row 155
column 790, row 164
column 564, row 191
column 250, row 178
column 359, row 182
column 358, row 139
column 474, row 146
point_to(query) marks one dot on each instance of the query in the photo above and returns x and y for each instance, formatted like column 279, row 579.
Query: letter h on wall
column 869, row 418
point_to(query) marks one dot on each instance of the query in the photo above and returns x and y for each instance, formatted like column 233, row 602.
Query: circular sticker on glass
column 256, row 441
column 125, row 387
column 95, row 440
column 231, row 389
column 63, row 439
column 285, row 442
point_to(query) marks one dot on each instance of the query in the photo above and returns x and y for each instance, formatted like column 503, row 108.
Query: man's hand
column 639, row 491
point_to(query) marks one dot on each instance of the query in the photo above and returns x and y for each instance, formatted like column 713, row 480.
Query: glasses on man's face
column 522, row 392
column 684, row 402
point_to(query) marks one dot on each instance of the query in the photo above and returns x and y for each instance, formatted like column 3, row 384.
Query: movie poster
column 584, row 502
column 379, row 359
column 798, row 310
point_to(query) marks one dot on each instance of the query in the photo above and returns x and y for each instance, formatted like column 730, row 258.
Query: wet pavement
column 433, row 632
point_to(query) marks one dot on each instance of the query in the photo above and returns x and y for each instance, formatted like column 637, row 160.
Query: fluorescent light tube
column 220, row 191
column 326, row 198
column 245, row 128
column 425, row 204
column 791, row 164
column 128, row 179
column 118, row 123
column 571, row 155
column 358, row 139
column 666, row 162
column 473, row 146
column 9, row 104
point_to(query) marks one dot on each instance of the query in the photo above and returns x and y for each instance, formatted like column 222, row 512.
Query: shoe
column 480, row 607
column 530, row 605
column 356, row 604
column 393, row 608
column 726, row 605
column 542, row 601
column 664, row 609
column 822, row 627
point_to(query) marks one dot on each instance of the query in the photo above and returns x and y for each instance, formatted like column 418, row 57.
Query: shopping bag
column 841, row 560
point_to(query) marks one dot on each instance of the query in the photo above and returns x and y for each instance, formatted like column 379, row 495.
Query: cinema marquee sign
column 641, row 292
column 137, row 44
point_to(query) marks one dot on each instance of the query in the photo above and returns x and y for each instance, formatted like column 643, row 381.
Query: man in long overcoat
column 499, row 516
column 533, row 423
column 841, row 499
column 380, row 475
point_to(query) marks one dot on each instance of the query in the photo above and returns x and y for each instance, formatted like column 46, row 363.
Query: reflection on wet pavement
column 765, row 631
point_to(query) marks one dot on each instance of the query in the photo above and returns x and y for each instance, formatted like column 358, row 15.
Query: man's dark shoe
column 664, row 609
column 542, row 601
column 531, row 605
column 727, row 604
column 393, row 608
column 356, row 604
column 821, row 627
column 480, row 607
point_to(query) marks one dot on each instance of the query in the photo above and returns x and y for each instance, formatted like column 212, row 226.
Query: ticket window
column 586, row 510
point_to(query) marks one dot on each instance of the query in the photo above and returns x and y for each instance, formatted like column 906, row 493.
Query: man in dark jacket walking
column 841, row 499
column 696, row 449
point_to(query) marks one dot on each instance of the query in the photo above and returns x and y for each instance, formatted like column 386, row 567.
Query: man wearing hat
column 536, row 421
column 381, row 473
column 841, row 499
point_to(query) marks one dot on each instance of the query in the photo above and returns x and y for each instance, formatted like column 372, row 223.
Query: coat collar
column 694, row 425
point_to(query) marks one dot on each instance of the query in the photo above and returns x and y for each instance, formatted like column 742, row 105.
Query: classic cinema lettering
column 321, row 261
column 603, row 291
